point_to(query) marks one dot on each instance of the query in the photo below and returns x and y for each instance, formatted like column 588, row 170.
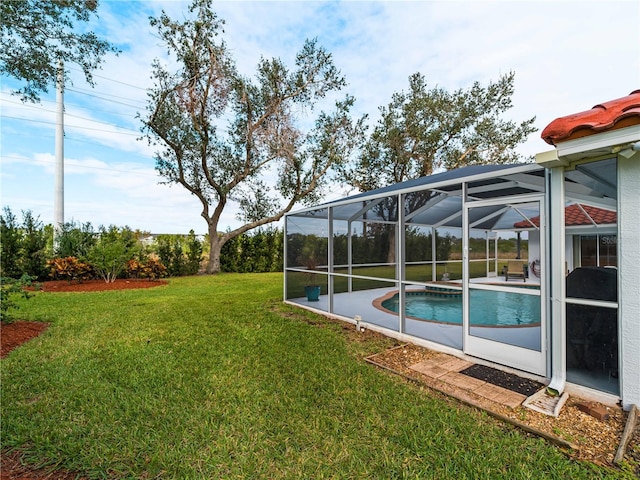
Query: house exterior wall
column 534, row 247
column 629, row 276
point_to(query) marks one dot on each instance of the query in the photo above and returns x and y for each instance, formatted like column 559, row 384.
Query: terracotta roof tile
column 618, row 113
column 574, row 216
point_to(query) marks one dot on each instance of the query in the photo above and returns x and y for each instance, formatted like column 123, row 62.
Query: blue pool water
column 488, row 308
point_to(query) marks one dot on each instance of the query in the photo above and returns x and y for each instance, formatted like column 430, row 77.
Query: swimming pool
column 488, row 308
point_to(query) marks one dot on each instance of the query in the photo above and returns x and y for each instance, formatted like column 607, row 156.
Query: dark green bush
column 10, row 288
column 75, row 240
column 259, row 251
column 10, row 239
column 24, row 246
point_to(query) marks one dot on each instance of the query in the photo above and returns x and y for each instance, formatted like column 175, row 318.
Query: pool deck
column 362, row 303
column 444, row 368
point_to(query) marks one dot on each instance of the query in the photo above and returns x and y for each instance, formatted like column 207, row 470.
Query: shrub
column 112, row 251
column 194, row 254
column 258, row 251
column 23, row 246
column 134, row 269
column 154, row 269
column 70, row 269
column 33, row 248
column 11, row 288
column 151, row 269
column 10, row 245
column 180, row 254
column 75, row 240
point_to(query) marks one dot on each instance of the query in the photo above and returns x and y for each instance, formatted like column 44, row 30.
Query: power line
column 67, row 138
column 128, row 172
column 110, row 100
column 109, row 79
column 86, row 118
column 81, row 128
column 84, row 91
column 69, row 104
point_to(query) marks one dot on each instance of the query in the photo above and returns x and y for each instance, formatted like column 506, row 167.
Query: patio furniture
column 515, row 269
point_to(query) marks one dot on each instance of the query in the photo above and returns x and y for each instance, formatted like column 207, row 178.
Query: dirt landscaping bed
column 98, row 285
column 594, row 440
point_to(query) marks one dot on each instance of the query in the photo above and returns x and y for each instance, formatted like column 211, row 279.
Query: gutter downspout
column 557, row 274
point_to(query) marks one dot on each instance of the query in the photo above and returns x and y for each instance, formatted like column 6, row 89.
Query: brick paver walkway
column 446, row 367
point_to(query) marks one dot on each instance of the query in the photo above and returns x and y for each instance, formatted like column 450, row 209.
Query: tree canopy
column 425, row 130
column 36, row 34
column 227, row 137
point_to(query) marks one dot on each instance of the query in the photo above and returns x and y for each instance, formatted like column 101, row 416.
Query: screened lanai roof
column 436, row 200
column 451, row 180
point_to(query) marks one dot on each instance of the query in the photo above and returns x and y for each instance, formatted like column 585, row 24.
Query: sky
column 567, row 57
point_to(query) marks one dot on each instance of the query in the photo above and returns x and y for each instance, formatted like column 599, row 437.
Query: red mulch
column 12, row 468
column 98, row 285
column 12, row 335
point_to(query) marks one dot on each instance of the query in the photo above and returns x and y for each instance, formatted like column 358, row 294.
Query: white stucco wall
column 534, row 245
column 629, row 277
column 568, row 252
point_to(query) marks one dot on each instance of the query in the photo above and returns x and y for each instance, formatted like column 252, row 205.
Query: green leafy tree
column 112, row 251
column 265, row 158
column 36, row 34
column 9, row 245
column 177, row 265
column 163, row 249
column 194, row 254
column 75, row 240
column 33, row 247
column 425, row 130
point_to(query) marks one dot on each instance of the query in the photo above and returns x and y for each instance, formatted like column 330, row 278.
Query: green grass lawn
column 212, row 377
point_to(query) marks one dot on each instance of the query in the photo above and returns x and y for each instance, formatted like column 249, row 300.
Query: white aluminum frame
column 513, row 356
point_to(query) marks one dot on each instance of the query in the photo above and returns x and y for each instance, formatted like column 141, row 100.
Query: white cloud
column 567, row 56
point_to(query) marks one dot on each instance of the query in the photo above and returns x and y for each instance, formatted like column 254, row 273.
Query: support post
column 58, row 202
column 556, row 262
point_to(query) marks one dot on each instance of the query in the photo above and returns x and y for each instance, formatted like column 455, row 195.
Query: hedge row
column 27, row 248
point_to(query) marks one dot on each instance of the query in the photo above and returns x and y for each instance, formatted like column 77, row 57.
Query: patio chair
column 515, row 269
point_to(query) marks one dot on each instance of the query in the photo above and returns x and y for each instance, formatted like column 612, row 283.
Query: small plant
column 311, row 289
column 69, row 268
column 311, row 264
column 152, row 269
column 135, row 269
column 10, row 288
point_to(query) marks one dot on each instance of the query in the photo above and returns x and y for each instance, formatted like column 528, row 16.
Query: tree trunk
column 215, row 246
column 391, row 254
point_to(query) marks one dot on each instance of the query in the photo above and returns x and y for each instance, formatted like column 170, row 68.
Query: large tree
column 226, row 137
column 36, row 34
column 425, row 130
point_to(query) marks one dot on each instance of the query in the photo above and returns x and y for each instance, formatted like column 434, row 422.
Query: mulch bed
column 14, row 334
column 14, row 469
column 98, row 285
column 506, row 380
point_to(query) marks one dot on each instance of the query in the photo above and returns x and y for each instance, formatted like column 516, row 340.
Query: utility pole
column 58, row 202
